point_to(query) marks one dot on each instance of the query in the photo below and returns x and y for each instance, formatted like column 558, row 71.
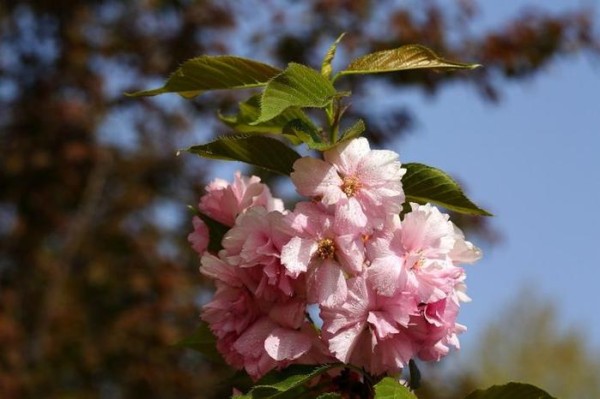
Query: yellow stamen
column 350, row 185
column 326, row 248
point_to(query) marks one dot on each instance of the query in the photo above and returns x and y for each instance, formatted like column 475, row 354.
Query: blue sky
column 532, row 161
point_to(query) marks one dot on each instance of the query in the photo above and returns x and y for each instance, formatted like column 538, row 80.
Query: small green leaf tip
column 326, row 68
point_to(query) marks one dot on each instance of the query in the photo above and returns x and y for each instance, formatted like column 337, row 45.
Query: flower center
column 350, row 185
column 326, row 248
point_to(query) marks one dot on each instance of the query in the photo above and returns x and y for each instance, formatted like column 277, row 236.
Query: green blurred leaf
column 297, row 86
column 389, row 388
column 512, row 390
column 354, row 131
column 330, row 395
column 249, row 111
column 424, row 184
column 202, row 341
column 308, row 134
column 326, row 65
column 213, row 73
column 412, row 56
column 263, row 152
column 286, row 383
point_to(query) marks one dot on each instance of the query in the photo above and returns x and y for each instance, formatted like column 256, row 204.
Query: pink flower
column 367, row 182
column 256, row 332
column 224, row 201
column 254, row 243
column 434, row 330
column 199, row 238
column 418, row 256
column 369, row 330
column 325, row 246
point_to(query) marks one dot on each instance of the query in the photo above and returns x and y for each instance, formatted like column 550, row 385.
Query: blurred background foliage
column 96, row 277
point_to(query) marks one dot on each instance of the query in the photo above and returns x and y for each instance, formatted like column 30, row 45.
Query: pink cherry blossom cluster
column 387, row 290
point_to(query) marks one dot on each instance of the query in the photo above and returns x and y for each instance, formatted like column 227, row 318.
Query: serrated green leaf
column 297, row 86
column 249, row 111
column 202, row 341
column 354, row 131
column 326, row 65
column 512, row 390
column 411, row 56
column 424, row 184
column 263, row 152
column 285, row 383
column 388, row 388
column 214, row 73
column 308, row 134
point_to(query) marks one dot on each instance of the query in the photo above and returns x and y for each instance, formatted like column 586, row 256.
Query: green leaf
column 216, row 232
column 424, row 184
column 354, row 131
column 512, row 390
column 263, row 152
column 330, row 395
column 202, row 341
column 411, row 56
column 213, row 73
column 389, row 388
column 285, row 383
column 297, row 86
column 308, row 134
column 249, row 111
column 326, row 65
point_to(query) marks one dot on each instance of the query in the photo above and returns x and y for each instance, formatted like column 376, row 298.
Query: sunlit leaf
column 389, row 388
column 297, row 86
column 213, row 73
column 261, row 151
column 326, row 65
column 286, row 383
column 512, row 390
column 249, row 111
column 412, row 56
column 202, row 341
column 424, row 184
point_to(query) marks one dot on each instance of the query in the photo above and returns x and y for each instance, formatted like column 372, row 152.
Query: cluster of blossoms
column 387, row 290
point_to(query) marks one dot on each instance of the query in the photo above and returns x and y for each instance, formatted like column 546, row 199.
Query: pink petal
column 381, row 324
column 217, row 269
column 287, row 344
column 350, row 253
column 342, row 344
column 296, row 255
column 327, row 285
column 347, row 156
column 314, row 177
column 385, row 275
